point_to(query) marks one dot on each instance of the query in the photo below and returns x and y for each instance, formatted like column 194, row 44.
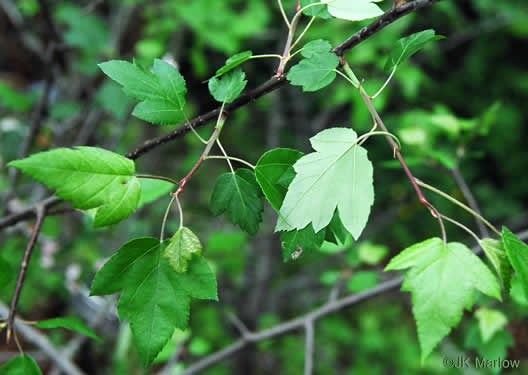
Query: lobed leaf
column 229, row 87
column 337, row 176
column 161, row 92
column 315, row 72
column 89, row 177
column 182, row 246
column 442, row 280
column 316, row 47
column 155, row 298
column 238, row 195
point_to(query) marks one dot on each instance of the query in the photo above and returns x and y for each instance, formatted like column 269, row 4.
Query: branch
column 39, row 340
column 269, row 86
column 291, row 325
column 41, row 215
column 301, row 322
column 308, row 347
column 386, row 19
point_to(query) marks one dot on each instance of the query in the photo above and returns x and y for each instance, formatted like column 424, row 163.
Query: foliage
column 333, row 236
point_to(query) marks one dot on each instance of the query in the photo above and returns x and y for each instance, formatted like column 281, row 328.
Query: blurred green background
column 459, row 108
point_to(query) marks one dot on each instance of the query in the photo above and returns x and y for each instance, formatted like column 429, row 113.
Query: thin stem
column 379, row 121
column 346, row 77
column 473, row 234
column 242, row 161
column 384, row 85
column 164, row 222
column 284, row 16
column 180, row 211
column 218, row 128
column 459, row 204
column 188, row 123
column 303, row 32
column 225, row 155
column 265, row 56
column 287, row 47
column 295, row 53
column 158, row 178
column 41, row 215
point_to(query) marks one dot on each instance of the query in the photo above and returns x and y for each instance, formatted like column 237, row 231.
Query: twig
column 267, row 87
column 298, row 323
column 41, row 214
column 308, row 347
column 292, row 325
column 396, row 149
column 461, row 182
column 34, row 337
column 241, row 161
column 289, row 39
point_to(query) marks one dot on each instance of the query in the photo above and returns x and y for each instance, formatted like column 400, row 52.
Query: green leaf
column 315, row 72
column 316, row 47
column 89, row 177
column 182, row 246
column 355, row 10
column 496, row 347
column 297, row 242
column 227, row 88
column 338, row 175
column 234, row 61
column 442, row 280
column 408, row 46
column 152, row 190
column 155, row 298
column 270, row 168
column 73, row 324
column 23, row 365
column 496, row 254
column 320, row 11
column 239, row 198
column 162, row 92
column 517, row 252
column 490, row 321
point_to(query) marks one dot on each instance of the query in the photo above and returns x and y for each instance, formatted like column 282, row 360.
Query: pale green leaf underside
column 89, row 177
column 517, row 252
column 155, row 298
column 162, row 91
column 408, row 46
column 182, row 246
column 442, row 281
column 315, row 72
column 23, row 365
column 240, row 200
column 73, row 324
column 354, row 10
column 337, row 176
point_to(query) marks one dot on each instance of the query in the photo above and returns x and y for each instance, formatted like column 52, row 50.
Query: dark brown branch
column 269, row 86
column 29, row 212
column 382, row 22
column 41, row 214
